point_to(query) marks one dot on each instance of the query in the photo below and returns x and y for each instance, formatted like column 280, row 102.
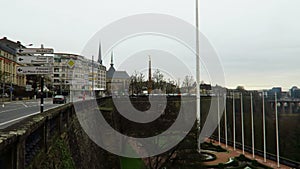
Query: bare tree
column 158, row 76
column 159, row 81
column 188, row 82
column 137, row 82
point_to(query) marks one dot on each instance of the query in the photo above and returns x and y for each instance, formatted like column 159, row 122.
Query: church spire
column 150, row 77
column 100, row 54
column 150, row 74
column 112, row 59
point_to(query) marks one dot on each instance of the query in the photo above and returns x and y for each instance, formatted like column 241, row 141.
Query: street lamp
column 11, row 88
column 3, row 88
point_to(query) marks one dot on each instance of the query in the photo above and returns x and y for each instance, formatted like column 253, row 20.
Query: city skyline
column 255, row 36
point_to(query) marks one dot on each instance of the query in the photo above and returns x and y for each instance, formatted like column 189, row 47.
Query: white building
column 77, row 74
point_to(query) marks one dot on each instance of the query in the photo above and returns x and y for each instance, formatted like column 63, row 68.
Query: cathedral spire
column 150, row 77
column 100, row 54
column 150, row 74
column 112, row 59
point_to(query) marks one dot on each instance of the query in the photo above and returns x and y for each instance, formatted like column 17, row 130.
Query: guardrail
column 22, row 142
column 269, row 156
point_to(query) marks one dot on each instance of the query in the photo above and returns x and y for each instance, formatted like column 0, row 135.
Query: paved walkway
column 223, row 157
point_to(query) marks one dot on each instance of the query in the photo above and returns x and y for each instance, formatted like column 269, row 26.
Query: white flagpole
column 233, row 121
column 225, row 120
column 197, row 62
column 277, row 134
column 252, row 125
column 264, row 126
column 219, row 129
column 198, row 71
column 242, row 120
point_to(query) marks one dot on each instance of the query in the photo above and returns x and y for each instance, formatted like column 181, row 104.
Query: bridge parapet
column 22, row 142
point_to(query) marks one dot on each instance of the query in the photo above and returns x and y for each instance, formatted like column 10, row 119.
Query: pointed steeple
column 112, row 59
column 100, row 54
column 150, row 77
column 150, row 73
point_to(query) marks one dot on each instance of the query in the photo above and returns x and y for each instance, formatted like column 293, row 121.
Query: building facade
column 69, row 73
column 77, row 74
column 11, row 81
column 117, row 82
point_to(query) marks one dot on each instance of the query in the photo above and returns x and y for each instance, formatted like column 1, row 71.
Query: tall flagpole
column 233, row 120
column 242, row 119
column 197, row 61
column 264, row 126
column 198, row 70
column 225, row 120
column 219, row 129
column 92, row 76
column 252, row 125
column 277, row 134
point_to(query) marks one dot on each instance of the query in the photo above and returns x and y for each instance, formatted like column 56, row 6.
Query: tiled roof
column 112, row 73
column 10, row 46
column 7, row 49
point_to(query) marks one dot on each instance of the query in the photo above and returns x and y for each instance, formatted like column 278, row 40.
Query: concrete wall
column 29, row 143
column 21, row 143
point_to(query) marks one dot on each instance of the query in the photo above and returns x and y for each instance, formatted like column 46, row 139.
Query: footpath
column 223, row 157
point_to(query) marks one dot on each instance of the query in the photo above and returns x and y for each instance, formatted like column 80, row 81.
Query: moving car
column 60, row 99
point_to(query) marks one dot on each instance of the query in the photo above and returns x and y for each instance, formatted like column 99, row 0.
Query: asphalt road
column 12, row 112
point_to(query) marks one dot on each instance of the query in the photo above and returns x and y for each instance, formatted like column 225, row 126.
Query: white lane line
column 24, row 104
column 23, row 117
column 16, row 109
column 38, row 104
column 10, row 121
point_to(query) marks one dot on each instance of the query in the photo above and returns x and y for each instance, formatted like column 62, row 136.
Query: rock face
column 74, row 150
column 85, row 153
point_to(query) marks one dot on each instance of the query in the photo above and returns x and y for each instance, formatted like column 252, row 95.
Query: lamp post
column 11, row 88
column 3, row 88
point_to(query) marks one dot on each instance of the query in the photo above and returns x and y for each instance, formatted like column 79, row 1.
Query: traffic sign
column 36, row 51
column 34, row 59
column 71, row 63
column 33, row 70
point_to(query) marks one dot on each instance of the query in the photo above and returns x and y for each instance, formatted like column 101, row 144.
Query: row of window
column 6, row 55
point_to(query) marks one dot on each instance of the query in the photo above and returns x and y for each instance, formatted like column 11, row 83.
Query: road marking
column 38, row 104
column 24, row 104
column 13, row 120
column 16, row 109
column 20, row 118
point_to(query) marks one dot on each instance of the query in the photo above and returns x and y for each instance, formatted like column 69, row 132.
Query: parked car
column 60, row 99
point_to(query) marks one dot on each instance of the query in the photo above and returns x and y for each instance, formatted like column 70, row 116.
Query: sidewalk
column 223, row 157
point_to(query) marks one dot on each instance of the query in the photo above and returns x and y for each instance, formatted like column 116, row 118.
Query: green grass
column 131, row 163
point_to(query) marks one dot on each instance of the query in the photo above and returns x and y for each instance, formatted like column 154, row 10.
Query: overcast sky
column 258, row 41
